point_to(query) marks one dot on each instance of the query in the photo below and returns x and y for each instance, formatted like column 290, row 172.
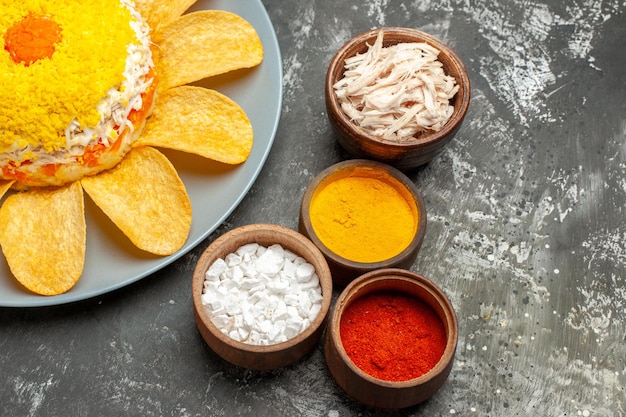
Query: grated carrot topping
column 31, row 39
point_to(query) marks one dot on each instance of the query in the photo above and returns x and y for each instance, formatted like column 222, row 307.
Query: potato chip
column 4, row 187
column 199, row 121
column 146, row 200
column 159, row 13
column 43, row 237
column 205, row 43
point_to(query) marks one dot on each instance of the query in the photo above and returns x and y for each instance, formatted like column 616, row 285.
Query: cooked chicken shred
column 396, row 92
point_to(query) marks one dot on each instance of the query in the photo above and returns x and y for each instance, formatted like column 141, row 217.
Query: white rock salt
column 262, row 296
column 304, row 272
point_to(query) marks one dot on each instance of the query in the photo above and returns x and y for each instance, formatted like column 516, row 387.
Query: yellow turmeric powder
column 364, row 218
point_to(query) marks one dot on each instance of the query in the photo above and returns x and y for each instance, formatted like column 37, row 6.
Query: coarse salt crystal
column 304, row 305
column 277, row 287
column 270, row 263
column 248, row 249
column 222, row 321
column 289, row 268
column 237, row 273
column 291, row 299
column 292, row 312
column 266, row 326
column 315, row 309
column 214, row 303
column 243, row 333
column 232, row 307
column 216, row 269
column 304, row 272
column 315, row 296
column 290, row 256
column 232, row 259
column 280, row 312
column 277, row 331
column 312, row 283
column 292, row 328
column 256, row 296
column 249, row 318
column 254, row 338
column 248, row 283
column 248, row 269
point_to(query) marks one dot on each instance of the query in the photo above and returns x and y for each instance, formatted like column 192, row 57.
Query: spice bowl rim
column 351, row 136
column 340, row 264
column 248, row 355
column 397, row 394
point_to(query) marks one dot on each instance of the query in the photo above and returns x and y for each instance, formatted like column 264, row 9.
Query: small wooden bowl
column 376, row 392
column 408, row 154
column 253, row 356
column 345, row 270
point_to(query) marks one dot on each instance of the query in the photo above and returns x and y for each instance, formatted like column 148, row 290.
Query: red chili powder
column 392, row 336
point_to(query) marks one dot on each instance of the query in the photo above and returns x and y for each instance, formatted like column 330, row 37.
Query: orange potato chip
column 199, row 121
column 43, row 237
column 205, row 43
column 162, row 12
column 146, row 200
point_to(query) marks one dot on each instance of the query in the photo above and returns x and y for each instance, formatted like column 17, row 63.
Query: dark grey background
column 526, row 235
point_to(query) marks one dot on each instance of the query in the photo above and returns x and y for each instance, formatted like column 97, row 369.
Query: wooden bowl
column 407, row 154
column 345, row 270
column 376, row 392
column 253, row 356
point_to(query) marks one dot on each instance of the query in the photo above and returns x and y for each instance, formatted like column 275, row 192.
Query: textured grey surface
column 526, row 235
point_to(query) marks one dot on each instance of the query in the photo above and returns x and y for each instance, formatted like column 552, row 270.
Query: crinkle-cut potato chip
column 227, row 41
column 146, row 199
column 159, row 13
column 31, row 223
column 199, row 121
